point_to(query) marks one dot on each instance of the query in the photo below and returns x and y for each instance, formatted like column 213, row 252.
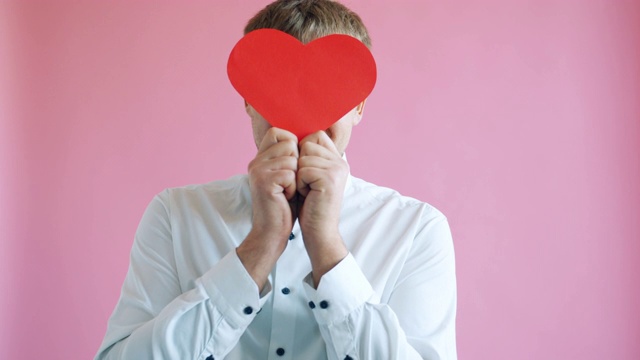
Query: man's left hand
column 321, row 179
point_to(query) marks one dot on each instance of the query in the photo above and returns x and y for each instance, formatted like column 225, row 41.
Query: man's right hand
column 272, row 179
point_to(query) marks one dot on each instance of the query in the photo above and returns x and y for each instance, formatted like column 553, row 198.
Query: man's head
column 308, row 20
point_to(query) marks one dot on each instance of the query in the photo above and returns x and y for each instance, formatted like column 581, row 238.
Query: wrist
column 258, row 254
column 325, row 255
column 320, row 233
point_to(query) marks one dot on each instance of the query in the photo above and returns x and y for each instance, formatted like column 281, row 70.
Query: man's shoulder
column 228, row 190
column 375, row 195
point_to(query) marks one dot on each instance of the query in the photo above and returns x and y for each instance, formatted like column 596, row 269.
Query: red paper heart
column 297, row 87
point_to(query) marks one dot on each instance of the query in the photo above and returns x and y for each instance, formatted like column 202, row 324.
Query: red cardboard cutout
column 301, row 88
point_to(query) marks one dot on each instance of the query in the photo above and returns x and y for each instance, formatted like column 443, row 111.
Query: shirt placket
column 288, row 295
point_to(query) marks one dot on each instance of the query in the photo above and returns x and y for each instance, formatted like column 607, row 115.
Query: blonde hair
column 308, row 20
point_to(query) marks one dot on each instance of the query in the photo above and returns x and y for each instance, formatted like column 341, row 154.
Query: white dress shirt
column 188, row 296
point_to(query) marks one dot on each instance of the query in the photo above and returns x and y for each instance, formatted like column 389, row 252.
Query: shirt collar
column 348, row 184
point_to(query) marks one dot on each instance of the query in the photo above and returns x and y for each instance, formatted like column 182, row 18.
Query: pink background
column 520, row 120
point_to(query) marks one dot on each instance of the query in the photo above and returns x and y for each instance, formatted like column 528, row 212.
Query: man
column 297, row 259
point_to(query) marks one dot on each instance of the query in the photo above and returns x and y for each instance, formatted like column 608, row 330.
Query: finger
column 277, row 157
column 302, row 187
column 305, row 179
column 279, row 182
column 281, row 163
column 309, row 148
column 277, row 174
column 287, row 167
column 315, row 162
column 282, row 148
column 321, row 138
column 317, row 173
column 275, row 135
column 288, row 183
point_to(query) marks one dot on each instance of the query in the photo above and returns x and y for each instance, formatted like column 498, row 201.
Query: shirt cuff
column 341, row 291
column 233, row 291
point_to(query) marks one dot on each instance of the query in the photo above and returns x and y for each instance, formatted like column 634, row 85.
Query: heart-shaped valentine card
column 297, row 87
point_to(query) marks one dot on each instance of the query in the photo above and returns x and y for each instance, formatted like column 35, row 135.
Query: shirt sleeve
column 418, row 322
column 155, row 319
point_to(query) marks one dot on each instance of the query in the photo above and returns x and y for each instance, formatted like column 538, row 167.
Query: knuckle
column 293, row 162
column 291, row 145
column 272, row 131
column 307, row 146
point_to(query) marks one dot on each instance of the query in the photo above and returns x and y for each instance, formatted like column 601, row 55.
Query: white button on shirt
column 188, row 296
